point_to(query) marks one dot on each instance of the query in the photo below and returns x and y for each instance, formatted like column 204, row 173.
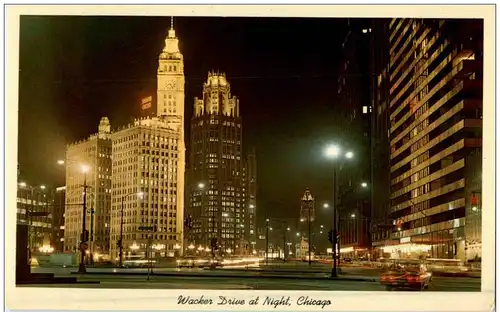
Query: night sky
column 74, row 70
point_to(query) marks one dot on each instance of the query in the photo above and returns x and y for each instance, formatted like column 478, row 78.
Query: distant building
column 95, row 154
column 58, row 218
column 34, row 208
column 250, row 195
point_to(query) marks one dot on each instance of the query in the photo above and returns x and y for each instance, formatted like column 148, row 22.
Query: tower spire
column 171, row 31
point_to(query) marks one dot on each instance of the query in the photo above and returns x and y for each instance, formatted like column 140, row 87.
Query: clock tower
column 170, row 109
column 170, row 100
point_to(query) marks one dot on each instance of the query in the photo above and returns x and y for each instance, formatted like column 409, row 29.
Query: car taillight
column 413, row 278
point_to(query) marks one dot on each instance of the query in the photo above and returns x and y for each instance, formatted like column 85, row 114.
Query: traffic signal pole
column 82, row 268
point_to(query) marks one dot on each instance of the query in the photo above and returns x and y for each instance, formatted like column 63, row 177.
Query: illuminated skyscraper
column 149, row 159
column 221, row 204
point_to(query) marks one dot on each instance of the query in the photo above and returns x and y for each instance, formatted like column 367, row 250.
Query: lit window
column 365, row 109
column 365, row 31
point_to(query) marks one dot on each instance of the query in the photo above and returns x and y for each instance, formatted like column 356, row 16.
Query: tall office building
column 380, row 186
column 354, row 99
column 148, row 169
column 435, row 135
column 95, row 154
column 220, row 200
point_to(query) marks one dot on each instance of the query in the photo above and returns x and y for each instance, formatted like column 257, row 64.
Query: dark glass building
column 354, row 95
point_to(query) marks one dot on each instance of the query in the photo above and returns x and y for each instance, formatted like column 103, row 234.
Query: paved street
column 206, row 280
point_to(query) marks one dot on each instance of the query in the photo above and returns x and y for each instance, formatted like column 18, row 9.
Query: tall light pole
column 333, row 152
column 284, row 240
column 267, row 241
column 81, row 268
column 120, row 242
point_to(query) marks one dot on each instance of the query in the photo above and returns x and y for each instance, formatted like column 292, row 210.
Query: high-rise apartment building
column 222, row 190
column 434, row 103
column 94, row 154
column 149, row 166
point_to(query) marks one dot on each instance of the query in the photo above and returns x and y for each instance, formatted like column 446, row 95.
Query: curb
column 229, row 276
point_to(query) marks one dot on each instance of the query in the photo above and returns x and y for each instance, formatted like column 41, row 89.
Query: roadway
column 231, row 279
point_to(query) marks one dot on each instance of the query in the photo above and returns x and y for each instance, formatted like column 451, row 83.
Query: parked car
column 406, row 274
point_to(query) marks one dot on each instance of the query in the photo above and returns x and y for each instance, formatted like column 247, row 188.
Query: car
column 191, row 262
column 411, row 274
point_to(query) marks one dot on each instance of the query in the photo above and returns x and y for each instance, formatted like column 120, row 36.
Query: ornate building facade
column 149, row 166
column 221, row 182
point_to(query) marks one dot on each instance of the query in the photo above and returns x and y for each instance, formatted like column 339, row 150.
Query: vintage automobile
column 406, row 274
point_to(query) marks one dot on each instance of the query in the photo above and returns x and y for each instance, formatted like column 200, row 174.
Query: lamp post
column 333, row 152
column 82, row 268
column 120, row 242
column 284, row 241
column 267, row 241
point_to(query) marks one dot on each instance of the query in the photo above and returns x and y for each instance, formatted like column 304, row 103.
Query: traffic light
column 330, row 236
column 84, row 237
column 213, row 243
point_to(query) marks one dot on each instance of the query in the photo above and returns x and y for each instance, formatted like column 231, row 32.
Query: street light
column 334, row 152
column 251, row 206
column 353, row 216
column 22, row 184
column 42, row 187
column 60, row 162
column 364, row 184
column 85, row 169
column 120, row 242
column 201, row 186
column 326, row 206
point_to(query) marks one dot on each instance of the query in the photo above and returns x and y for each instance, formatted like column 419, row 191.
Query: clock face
column 170, row 85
